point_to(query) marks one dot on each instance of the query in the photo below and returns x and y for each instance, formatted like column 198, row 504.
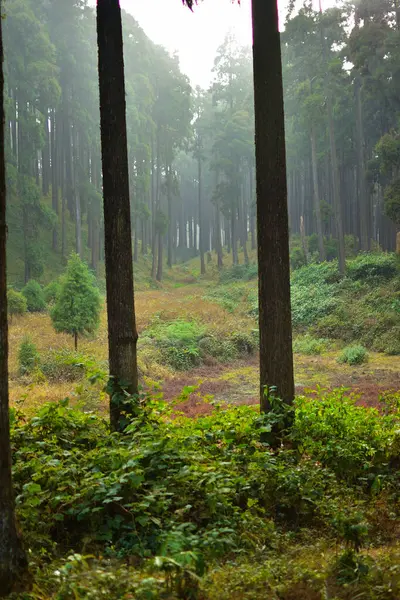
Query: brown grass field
column 222, row 383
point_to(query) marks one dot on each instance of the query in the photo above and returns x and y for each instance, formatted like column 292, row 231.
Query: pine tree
column 122, row 332
column 78, row 305
column 13, row 561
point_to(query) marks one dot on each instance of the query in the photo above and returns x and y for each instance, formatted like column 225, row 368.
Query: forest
column 200, row 307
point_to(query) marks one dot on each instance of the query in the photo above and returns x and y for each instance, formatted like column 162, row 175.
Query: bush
column 367, row 266
column 223, row 350
column 66, row 365
column 239, row 272
column 310, row 346
column 16, row 303
column 52, row 292
column 310, row 303
column 353, row 355
column 178, row 342
column 34, row 295
column 28, row 357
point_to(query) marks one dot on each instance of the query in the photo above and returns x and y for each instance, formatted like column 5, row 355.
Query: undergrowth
column 175, row 507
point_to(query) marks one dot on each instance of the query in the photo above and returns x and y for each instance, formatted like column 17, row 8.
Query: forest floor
column 232, row 380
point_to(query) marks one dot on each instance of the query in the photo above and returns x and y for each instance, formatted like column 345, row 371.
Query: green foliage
column 239, row 273
column 353, row 441
column 77, row 307
column 311, row 303
column 367, row 266
column 66, row 365
column 52, row 292
column 353, row 355
column 178, row 342
column 34, row 295
column 183, row 495
column 16, row 303
column 310, row 346
column 28, row 357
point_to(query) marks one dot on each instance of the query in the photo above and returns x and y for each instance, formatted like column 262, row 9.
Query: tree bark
column 54, row 177
column 317, row 201
column 13, row 561
column 201, row 217
column 122, row 332
column 362, row 188
column 276, row 358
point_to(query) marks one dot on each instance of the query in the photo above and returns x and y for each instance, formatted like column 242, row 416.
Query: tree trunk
column 334, row 164
column 54, row 177
column 235, row 259
column 46, row 155
column 160, row 257
column 171, row 224
column 201, row 218
column 362, row 188
column 13, row 562
column 76, row 341
column 276, row 358
column 317, row 201
column 122, row 332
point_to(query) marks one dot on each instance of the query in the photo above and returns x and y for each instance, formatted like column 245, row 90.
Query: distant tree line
column 191, row 152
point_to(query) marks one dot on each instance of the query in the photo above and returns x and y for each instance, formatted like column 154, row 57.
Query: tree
column 122, row 332
column 16, row 303
column 77, row 307
column 276, row 357
column 13, row 561
column 34, row 295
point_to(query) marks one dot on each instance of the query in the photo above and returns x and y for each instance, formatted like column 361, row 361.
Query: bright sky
column 196, row 36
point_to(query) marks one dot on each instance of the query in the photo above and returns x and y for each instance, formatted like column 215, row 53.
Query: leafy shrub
column 315, row 274
column 227, row 296
column 16, row 303
column 28, row 357
column 34, row 295
column 245, row 343
column 310, row 303
column 351, row 440
column 66, row 365
column 239, row 272
column 310, row 346
column 297, row 258
column 367, row 266
column 216, row 347
column 353, row 355
column 178, row 342
column 52, row 292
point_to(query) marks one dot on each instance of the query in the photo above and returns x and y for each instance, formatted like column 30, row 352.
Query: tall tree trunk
column 46, row 156
column 76, row 193
column 334, row 162
column 160, row 257
column 317, row 201
column 362, row 188
column 54, row 177
column 201, row 217
column 13, row 562
column 276, row 358
column 235, row 258
column 122, row 332
column 171, row 223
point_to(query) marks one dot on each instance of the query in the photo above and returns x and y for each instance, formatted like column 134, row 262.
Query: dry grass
column 237, row 382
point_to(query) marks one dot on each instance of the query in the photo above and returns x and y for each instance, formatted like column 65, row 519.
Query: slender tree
column 13, row 561
column 122, row 332
column 276, row 358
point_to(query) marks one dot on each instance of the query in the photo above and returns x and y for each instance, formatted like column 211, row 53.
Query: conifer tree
column 13, row 561
column 78, row 305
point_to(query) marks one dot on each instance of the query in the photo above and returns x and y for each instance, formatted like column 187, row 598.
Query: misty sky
column 195, row 36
